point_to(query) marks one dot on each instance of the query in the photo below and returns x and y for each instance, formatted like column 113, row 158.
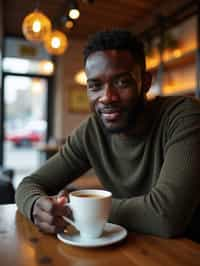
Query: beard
column 130, row 120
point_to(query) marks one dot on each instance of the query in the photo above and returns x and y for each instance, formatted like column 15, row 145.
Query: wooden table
column 21, row 244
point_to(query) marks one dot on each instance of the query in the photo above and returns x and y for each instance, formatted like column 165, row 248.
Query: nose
column 109, row 95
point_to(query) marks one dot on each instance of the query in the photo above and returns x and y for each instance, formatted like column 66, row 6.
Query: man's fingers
column 48, row 215
column 50, row 229
column 44, row 203
column 63, row 193
column 62, row 200
column 60, row 210
column 51, row 206
column 43, row 216
column 60, row 222
column 62, row 197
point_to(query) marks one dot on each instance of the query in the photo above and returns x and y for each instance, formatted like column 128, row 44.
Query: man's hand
column 48, row 212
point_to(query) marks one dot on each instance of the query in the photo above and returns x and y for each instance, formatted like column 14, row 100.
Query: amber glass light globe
column 55, row 42
column 35, row 26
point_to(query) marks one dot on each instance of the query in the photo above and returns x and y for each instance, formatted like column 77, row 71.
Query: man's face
column 114, row 87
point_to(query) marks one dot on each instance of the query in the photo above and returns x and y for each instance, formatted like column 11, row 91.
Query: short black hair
column 116, row 39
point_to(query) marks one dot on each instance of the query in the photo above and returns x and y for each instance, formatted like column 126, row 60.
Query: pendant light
column 67, row 22
column 74, row 12
column 36, row 26
column 56, row 42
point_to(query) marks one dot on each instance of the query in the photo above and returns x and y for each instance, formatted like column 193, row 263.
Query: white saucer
column 112, row 234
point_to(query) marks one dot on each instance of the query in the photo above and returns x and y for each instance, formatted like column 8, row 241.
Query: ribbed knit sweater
column 154, row 173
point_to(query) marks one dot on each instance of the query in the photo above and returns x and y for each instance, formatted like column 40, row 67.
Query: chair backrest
column 7, row 192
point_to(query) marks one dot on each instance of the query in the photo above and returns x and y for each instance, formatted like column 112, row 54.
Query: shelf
column 181, row 92
column 185, row 59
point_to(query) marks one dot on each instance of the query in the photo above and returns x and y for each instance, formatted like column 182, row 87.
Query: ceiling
column 101, row 14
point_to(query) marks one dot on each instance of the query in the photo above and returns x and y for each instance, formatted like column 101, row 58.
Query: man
column 146, row 152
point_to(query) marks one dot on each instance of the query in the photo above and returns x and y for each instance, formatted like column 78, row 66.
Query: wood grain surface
column 21, row 244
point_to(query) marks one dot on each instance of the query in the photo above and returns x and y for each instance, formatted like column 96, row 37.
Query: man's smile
column 110, row 113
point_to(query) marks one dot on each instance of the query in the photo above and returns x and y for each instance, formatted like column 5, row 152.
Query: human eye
column 122, row 82
column 94, row 86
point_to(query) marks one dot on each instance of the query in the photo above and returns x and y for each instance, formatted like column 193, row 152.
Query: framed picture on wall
column 78, row 100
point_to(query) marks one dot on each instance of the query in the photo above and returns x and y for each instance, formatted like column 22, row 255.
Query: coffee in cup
column 91, row 209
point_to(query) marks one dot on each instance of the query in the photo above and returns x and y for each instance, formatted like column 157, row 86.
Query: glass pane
column 25, row 122
column 26, row 66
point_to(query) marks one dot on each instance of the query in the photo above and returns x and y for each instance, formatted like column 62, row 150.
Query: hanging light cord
column 37, row 4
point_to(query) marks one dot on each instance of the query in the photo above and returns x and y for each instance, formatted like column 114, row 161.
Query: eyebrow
column 115, row 76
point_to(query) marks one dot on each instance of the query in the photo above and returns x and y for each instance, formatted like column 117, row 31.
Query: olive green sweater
column 154, row 174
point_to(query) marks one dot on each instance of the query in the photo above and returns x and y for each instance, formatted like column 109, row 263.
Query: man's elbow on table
column 147, row 220
column 156, row 225
column 167, row 227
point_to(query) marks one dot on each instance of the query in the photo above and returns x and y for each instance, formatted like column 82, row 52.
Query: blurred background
column 42, row 82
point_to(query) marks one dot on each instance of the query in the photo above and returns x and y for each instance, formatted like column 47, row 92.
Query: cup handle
column 68, row 220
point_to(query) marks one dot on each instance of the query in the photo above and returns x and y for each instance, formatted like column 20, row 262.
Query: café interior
column 46, row 75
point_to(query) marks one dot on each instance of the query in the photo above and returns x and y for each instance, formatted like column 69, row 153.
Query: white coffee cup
column 91, row 209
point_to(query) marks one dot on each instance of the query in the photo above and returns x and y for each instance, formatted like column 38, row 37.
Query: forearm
column 55, row 174
column 47, row 180
column 26, row 195
column 137, row 216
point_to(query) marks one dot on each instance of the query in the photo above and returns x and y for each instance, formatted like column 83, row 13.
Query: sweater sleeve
column 61, row 169
column 167, row 209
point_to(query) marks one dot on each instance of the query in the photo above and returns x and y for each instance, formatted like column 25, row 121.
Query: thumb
column 62, row 196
